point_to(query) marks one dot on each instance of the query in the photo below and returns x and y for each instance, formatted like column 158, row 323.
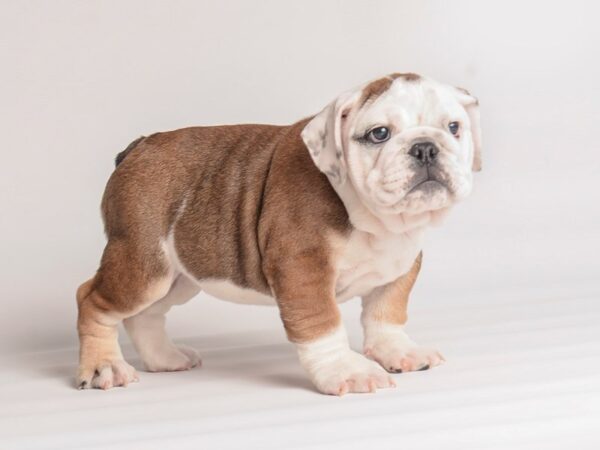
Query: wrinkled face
column 406, row 144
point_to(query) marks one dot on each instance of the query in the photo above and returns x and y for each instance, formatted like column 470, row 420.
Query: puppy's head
column 406, row 143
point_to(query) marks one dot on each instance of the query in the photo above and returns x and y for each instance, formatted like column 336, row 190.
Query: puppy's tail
column 121, row 156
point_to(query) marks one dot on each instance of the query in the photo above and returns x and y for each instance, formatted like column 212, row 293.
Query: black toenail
column 83, row 385
column 425, row 367
column 394, row 370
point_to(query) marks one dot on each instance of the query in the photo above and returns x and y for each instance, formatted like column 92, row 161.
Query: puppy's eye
column 378, row 135
column 454, row 127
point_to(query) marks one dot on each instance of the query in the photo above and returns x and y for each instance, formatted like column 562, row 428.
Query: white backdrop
column 80, row 80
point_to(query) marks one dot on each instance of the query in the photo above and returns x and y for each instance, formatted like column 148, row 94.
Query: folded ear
column 323, row 137
column 471, row 105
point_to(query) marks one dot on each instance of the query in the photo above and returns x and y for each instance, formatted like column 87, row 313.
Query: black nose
column 424, row 152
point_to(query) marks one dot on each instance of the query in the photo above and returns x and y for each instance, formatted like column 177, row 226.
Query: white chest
column 369, row 261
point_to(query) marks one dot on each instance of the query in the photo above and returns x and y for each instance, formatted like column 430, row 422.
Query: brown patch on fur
column 245, row 177
column 389, row 303
column 408, row 76
column 374, row 89
column 245, row 203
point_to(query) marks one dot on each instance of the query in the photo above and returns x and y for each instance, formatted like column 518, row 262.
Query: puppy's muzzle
column 428, row 175
column 424, row 152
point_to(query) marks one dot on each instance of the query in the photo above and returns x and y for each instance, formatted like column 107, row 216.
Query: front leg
column 304, row 289
column 383, row 319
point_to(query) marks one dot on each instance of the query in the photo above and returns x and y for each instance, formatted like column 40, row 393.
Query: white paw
column 192, row 355
column 349, row 372
column 397, row 357
column 172, row 359
column 106, row 374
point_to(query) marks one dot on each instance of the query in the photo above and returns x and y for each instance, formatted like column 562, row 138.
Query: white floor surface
column 522, row 373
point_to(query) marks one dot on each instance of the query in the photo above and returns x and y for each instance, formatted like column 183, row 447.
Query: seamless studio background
column 83, row 79
column 80, row 80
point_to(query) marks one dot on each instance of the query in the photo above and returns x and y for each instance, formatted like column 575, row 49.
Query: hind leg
column 129, row 280
column 149, row 336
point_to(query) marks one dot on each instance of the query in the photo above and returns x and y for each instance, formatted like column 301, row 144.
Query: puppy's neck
column 363, row 219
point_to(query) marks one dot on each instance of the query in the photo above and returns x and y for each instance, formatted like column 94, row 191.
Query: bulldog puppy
column 303, row 216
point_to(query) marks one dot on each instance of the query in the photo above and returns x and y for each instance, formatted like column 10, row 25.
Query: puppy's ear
column 323, row 137
column 471, row 105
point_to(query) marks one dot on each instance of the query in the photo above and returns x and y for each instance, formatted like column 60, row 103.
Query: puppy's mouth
column 428, row 184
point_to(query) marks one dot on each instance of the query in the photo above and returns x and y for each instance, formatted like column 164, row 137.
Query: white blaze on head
column 385, row 176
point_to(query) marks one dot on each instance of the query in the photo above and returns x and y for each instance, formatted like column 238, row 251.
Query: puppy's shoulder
column 300, row 202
